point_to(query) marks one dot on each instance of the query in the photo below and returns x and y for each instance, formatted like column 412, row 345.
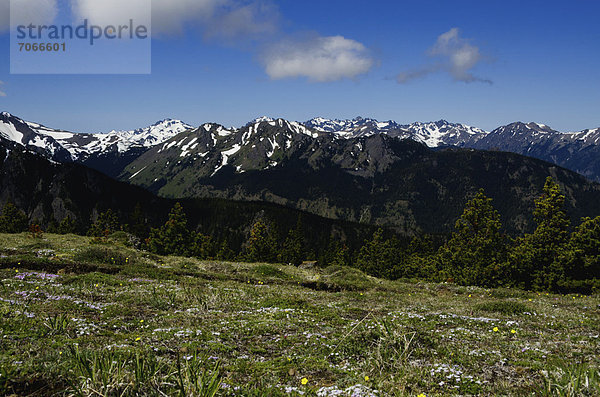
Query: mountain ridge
column 112, row 152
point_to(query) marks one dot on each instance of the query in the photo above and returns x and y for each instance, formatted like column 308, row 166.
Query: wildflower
column 16, row 270
column 469, row 295
column 512, row 331
column 530, row 300
column 361, row 294
column 422, row 395
column 141, row 321
column 304, row 381
column 59, row 352
column 495, row 329
column 367, row 378
column 138, row 339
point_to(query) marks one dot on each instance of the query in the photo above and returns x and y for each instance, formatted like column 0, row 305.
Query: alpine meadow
column 334, row 247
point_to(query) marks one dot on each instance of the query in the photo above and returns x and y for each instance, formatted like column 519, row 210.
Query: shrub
column 36, row 231
column 104, row 255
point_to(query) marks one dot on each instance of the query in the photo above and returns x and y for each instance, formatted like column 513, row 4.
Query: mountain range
column 413, row 178
column 111, row 152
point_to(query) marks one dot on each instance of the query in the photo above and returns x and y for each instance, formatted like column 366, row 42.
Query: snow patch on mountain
column 8, row 131
column 81, row 145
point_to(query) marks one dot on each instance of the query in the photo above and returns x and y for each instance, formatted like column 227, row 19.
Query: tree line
column 553, row 257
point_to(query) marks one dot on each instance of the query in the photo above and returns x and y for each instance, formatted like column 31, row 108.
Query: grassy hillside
column 101, row 319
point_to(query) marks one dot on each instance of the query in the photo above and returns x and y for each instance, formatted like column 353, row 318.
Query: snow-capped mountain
column 114, row 151
column 433, row 134
column 578, row 151
column 80, row 146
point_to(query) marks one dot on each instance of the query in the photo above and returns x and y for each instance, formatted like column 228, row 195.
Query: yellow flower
column 422, row 395
column 495, row 329
column 512, row 331
column 138, row 339
column 367, row 378
column 530, row 300
column 304, row 381
column 141, row 321
column 59, row 352
column 469, row 295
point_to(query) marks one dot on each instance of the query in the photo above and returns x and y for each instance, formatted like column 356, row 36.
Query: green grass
column 506, row 308
column 82, row 318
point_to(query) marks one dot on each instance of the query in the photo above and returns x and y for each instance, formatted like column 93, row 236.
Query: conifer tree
column 201, row 246
column 420, row 261
column 66, row 226
column 293, row 247
column 262, row 243
column 12, row 219
column 173, row 237
column 342, row 256
column 581, row 258
column 138, row 225
column 106, row 223
column 533, row 261
column 476, row 252
column 225, row 253
column 380, row 257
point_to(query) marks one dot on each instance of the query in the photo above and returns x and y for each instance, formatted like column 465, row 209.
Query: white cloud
column 112, row 12
column 2, row 93
column 318, row 58
column 28, row 11
column 455, row 55
column 216, row 18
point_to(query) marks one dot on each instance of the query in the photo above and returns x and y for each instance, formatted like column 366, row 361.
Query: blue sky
column 483, row 63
